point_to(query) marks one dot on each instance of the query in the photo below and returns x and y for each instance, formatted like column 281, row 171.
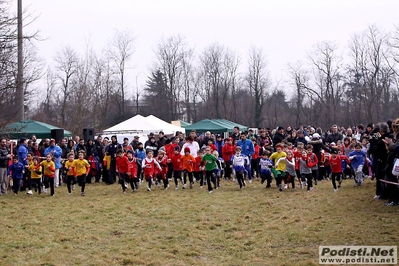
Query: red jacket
column 122, row 164
column 228, row 150
column 197, row 164
column 176, row 162
column 256, row 153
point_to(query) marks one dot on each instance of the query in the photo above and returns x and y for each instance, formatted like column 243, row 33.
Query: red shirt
column 336, row 163
column 197, row 164
column 297, row 156
column 256, row 153
column 228, row 150
column 132, row 166
column 176, row 162
column 163, row 162
column 122, row 164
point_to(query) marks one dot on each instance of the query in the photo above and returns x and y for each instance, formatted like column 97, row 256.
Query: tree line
column 344, row 84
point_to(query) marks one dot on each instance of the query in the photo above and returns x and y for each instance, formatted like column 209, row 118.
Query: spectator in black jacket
column 5, row 156
column 334, row 136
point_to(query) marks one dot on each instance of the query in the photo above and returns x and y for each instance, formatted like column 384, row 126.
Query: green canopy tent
column 27, row 128
column 209, row 125
column 233, row 124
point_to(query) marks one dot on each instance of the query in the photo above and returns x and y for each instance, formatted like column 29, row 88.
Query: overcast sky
column 285, row 29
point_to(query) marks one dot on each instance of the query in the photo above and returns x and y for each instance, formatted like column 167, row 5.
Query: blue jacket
column 17, row 170
column 56, row 155
column 358, row 160
column 23, row 154
column 247, row 147
column 140, row 155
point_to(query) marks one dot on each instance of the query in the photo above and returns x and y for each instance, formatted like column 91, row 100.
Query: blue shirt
column 23, row 154
column 247, row 147
column 17, row 170
column 358, row 160
column 56, row 155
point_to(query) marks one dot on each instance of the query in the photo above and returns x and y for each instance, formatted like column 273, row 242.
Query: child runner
column 198, row 168
column 70, row 177
column 132, row 171
column 188, row 167
column 140, row 155
column 17, row 169
column 122, row 167
column 177, row 166
column 279, row 170
column 28, row 173
column 255, row 159
column 305, row 170
column 210, row 167
column 238, row 162
column 81, row 168
column 161, row 175
column 48, row 175
column 36, row 175
column 149, row 164
column 290, row 174
column 313, row 161
column 264, row 164
column 335, row 161
column 358, row 159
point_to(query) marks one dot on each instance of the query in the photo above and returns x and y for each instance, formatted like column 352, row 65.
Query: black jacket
column 3, row 157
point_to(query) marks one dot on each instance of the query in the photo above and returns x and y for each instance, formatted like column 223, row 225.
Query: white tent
column 142, row 125
column 167, row 127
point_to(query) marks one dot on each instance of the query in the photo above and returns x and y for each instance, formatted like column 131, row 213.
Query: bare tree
column 120, row 51
column 257, row 81
column 67, row 66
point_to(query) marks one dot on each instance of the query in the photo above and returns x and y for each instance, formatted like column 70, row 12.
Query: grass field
column 255, row 226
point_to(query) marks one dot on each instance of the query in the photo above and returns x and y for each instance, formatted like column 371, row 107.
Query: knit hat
column 52, row 140
column 186, row 149
column 22, row 140
column 177, row 148
column 279, row 146
column 280, row 128
column 370, row 125
column 162, row 149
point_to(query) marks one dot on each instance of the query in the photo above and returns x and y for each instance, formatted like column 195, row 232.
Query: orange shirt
column 188, row 162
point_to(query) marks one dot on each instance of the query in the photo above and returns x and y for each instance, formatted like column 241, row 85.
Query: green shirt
column 210, row 162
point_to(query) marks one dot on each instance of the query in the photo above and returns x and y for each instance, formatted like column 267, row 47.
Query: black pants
column 169, row 174
column 82, row 182
column 289, row 179
column 379, row 175
column 315, row 175
column 210, row 176
column 177, row 176
column 70, row 179
column 255, row 167
column 336, row 177
column 134, row 183
column 112, row 171
column 190, row 177
column 199, row 176
column 16, row 184
column 36, row 183
column 123, row 178
column 309, row 178
column 240, row 178
column 139, row 170
column 227, row 170
column 265, row 176
column 49, row 182
column 164, row 181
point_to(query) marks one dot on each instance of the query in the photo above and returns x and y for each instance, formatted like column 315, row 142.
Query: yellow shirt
column 69, row 165
column 80, row 166
column 107, row 159
column 49, row 168
column 34, row 174
column 275, row 157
